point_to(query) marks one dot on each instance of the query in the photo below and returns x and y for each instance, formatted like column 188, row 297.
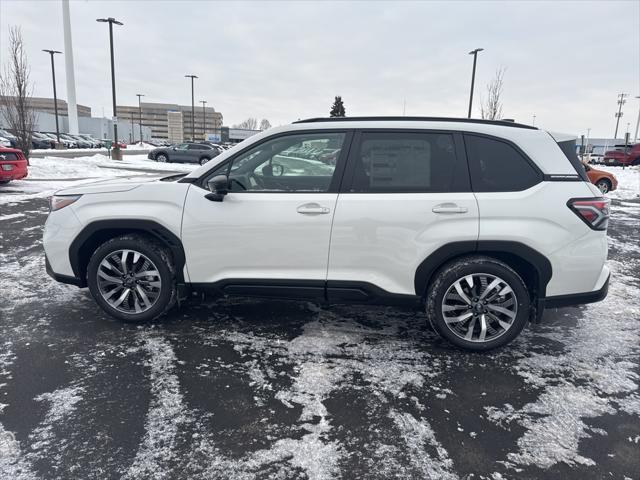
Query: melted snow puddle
column 591, row 378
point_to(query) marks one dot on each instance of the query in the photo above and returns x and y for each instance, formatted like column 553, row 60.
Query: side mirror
column 219, row 186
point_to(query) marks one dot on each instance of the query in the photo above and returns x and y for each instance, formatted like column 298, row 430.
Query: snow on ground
column 628, row 181
column 48, row 174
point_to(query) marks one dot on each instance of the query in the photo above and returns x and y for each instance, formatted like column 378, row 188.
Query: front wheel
column 478, row 303
column 132, row 278
column 162, row 158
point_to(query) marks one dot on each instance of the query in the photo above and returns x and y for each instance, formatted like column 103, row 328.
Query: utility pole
column 116, row 155
column 621, row 101
column 473, row 76
column 193, row 109
column 635, row 137
column 204, row 120
column 140, row 95
column 55, row 95
column 132, row 136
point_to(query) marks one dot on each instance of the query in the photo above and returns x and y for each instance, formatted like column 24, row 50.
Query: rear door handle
column 449, row 208
column 312, row 209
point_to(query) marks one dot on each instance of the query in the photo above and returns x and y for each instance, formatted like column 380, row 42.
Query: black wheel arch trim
column 496, row 248
column 78, row 257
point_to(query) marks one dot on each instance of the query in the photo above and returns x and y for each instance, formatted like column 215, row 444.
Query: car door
column 179, row 153
column 405, row 194
column 197, row 151
column 270, row 234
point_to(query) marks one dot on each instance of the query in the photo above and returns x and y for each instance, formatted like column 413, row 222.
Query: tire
column 604, row 185
column 4, row 182
column 443, row 299
column 203, row 160
column 162, row 158
column 159, row 288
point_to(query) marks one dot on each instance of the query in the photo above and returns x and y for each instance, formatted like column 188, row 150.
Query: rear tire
column 4, row 182
column 204, row 160
column 494, row 317
column 604, row 185
column 140, row 265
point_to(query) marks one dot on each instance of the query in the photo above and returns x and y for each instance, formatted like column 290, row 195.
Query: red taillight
column 593, row 211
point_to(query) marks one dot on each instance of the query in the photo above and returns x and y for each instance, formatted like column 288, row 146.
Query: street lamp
column 116, row 155
column 140, row 95
column 204, row 119
column 55, row 95
column 193, row 110
column 534, row 120
column 635, row 137
column 473, row 76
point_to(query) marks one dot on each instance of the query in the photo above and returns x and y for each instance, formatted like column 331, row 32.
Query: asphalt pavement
column 249, row 388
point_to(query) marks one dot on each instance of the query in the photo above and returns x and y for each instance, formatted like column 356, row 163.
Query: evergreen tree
column 337, row 109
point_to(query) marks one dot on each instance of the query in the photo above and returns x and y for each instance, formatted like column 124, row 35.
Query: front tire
column 478, row 303
column 162, row 158
column 132, row 278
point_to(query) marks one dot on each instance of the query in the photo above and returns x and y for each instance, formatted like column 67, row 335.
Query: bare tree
column 16, row 91
column 491, row 108
column 250, row 123
column 265, row 124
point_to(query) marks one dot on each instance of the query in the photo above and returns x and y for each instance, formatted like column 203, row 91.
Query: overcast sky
column 565, row 61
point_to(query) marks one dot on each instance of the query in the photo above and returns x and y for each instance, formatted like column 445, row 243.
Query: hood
column 122, row 184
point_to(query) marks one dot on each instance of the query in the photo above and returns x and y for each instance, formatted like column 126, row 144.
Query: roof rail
column 503, row 123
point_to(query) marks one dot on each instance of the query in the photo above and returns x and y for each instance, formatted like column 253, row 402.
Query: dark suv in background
column 185, row 153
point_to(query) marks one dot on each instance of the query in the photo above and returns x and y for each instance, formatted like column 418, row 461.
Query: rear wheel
column 4, row 182
column 604, row 185
column 204, row 160
column 132, row 278
column 478, row 303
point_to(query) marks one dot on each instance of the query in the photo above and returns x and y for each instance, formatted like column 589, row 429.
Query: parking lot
column 249, row 388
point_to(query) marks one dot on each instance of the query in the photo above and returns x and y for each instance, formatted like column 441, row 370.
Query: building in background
column 43, row 104
column 172, row 122
column 236, row 135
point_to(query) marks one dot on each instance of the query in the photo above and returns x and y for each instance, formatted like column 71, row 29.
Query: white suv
column 481, row 223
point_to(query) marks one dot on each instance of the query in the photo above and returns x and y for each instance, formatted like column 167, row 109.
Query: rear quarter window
column 8, row 156
column 498, row 166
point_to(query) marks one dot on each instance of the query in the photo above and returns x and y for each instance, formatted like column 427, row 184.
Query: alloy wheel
column 603, row 186
column 479, row 307
column 129, row 281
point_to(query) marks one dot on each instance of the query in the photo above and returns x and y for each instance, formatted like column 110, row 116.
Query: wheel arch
column 98, row 232
column 534, row 268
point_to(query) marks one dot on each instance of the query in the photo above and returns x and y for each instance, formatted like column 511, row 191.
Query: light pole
column 635, row 137
column 204, row 119
column 193, row 108
column 55, row 95
column 473, row 76
column 621, row 101
column 116, row 154
column 534, row 120
column 140, row 95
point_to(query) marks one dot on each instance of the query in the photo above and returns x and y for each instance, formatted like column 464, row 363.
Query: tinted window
column 293, row 163
column 497, row 166
column 196, row 146
column 568, row 147
column 8, row 156
column 407, row 162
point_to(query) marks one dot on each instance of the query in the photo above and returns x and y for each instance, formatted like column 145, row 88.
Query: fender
column 503, row 250
column 94, row 233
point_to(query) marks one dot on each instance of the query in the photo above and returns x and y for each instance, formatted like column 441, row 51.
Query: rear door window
column 407, row 162
column 498, row 166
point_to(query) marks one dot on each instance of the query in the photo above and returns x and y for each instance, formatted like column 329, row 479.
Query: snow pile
column 143, row 146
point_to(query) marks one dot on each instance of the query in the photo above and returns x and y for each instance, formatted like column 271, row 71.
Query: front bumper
column 68, row 279
column 559, row 301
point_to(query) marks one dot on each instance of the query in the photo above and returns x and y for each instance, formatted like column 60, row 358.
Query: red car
column 13, row 165
column 618, row 157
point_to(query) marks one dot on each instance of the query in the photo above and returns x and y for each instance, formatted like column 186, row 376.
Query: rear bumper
column 560, row 301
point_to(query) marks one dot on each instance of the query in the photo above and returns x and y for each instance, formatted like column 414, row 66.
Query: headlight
column 60, row 201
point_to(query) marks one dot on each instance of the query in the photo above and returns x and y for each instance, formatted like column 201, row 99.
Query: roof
column 503, row 123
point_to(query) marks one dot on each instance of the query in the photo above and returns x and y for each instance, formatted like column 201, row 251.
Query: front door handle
column 449, row 208
column 312, row 209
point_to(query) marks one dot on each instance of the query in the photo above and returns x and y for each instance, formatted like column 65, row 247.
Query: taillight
column 592, row 211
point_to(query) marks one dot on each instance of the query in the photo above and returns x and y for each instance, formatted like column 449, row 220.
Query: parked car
column 605, row 181
column 621, row 157
column 39, row 143
column 81, row 141
column 4, row 142
column 68, row 143
column 416, row 211
column 13, row 165
column 95, row 143
column 44, row 138
column 9, row 136
column 185, row 153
